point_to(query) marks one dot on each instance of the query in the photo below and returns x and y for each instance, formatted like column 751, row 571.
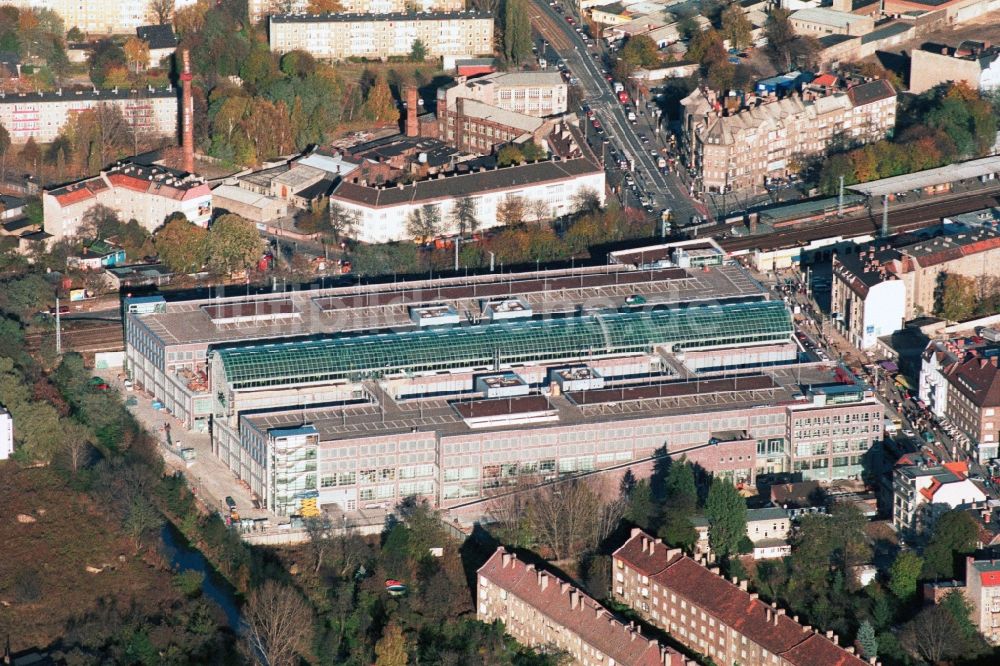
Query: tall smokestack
column 187, row 114
column 412, row 126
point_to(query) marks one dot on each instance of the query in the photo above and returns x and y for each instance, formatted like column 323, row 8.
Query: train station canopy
column 930, row 178
column 493, row 345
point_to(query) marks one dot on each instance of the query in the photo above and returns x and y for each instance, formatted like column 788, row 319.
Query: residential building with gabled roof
column 718, row 618
column 539, row 609
column 147, row 194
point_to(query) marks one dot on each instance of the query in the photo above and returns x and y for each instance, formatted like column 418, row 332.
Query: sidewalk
column 208, row 477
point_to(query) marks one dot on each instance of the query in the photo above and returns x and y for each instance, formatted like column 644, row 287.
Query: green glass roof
column 524, row 341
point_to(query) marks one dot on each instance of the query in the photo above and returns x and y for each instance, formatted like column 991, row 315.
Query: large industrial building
column 360, row 396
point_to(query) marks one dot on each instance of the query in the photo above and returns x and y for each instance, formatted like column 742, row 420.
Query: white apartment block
column 258, row 9
column 741, row 150
column 382, row 210
column 147, row 194
column 6, row 434
column 380, row 36
column 923, row 489
column 531, row 93
column 41, row 116
column 94, row 17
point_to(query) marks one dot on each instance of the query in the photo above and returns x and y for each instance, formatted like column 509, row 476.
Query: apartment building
column 259, row 9
column 380, row 36
column 531, row 93
column 982, row 589
column 551, row 187
column 973, row 404
column 539, row 609
column 720, row 619
column 942, row 354
column 867, row 297
column 147, row 194
column 923, row 489
column 741, row 150
column 475, row 127
column 95, row 17
column 42, row 115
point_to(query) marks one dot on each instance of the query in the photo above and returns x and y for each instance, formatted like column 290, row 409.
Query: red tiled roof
column 128, row 182
column 959, row 468
column 929, row 491
column 731, row 605
column 584, row 617
column 74, row 196
column 825, row 80
column 976, row 378
column 990, row 578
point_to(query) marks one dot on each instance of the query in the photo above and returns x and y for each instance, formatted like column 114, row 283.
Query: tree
column 955, row 534
column 641, row 509
column 391, row 649
column 4, row 147
column 463, row 215
column 424, row 223
column 161, row 11
column 516, row 32
column 233, row 244
column 586, row 200
column 957, row 604
column 736, row 27
column 136, row 53
column 100, row 222
column 141, row 517
column 278, row 625
column 780, row 35
column 379, row 104
column 933, row 635
column 103, row 57
column 508, row 508
column 565, row 516
column 182, row 246
column 418, row 52
column 904, row 574
column 867, row 640
column 511, row 210
column 726, row 511
column 508, row 155
column 344, row 223
column 956, row 297
column 318, row 530
column 533, row 152
column 639, row 51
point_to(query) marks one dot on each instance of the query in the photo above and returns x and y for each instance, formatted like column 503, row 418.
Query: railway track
column 905, row 219
column 91, row 338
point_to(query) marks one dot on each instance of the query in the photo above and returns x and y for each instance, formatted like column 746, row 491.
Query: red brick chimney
column 412, row 126
column 187, row 114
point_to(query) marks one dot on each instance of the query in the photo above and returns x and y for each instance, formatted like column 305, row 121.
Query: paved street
column 665, row 190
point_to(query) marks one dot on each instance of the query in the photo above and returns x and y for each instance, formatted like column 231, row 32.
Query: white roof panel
column 929, row 178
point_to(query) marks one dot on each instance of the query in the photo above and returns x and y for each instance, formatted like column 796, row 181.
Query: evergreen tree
column 867, row 640
column 727, row 517
column 641, row 508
